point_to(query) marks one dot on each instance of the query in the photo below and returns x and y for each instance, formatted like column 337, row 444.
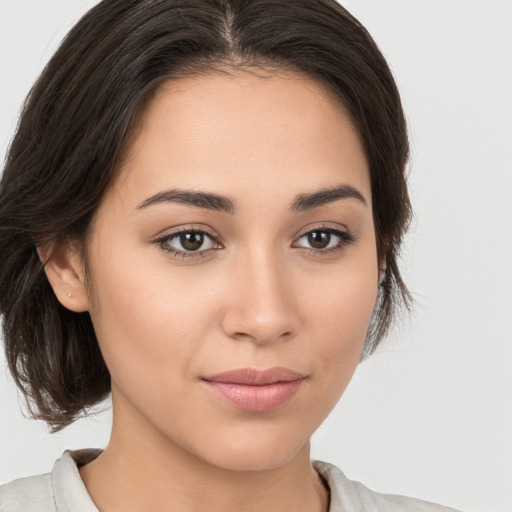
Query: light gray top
column 62, row 490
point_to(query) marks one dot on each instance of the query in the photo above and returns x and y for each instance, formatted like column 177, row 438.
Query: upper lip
column 255, row 377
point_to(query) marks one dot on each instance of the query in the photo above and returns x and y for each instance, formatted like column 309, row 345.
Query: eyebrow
column 215, row 202
column 189, row 197
column 328, row 195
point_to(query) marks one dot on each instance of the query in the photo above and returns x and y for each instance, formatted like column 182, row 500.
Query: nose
column 262, row 305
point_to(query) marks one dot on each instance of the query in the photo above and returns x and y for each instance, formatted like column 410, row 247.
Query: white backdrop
column 430, row 415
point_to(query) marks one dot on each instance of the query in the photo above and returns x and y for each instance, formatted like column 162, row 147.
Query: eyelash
column 345, row 239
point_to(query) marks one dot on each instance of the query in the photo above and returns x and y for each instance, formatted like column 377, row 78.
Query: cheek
column 149, row 317
column 340, row 316
column 344, row 297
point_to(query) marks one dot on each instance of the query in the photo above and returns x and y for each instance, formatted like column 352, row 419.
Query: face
column 231, row 293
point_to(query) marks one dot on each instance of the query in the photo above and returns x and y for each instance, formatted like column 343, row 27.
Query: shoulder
column 350, row 496
column 60, row 490
column 395, row 503
column 29, row 494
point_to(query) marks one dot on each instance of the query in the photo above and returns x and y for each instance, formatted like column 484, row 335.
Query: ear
column 64, row 270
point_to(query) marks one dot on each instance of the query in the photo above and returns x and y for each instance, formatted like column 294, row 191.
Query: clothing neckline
column 71, row 494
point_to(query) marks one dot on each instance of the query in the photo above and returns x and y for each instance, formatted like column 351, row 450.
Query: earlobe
column 64, row 270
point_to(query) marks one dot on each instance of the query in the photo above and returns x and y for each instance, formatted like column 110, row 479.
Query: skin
column 259, row 296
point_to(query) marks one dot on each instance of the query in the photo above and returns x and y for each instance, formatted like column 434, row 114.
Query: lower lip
column 256, row 398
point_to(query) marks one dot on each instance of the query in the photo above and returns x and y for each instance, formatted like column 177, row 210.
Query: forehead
column 245, row 131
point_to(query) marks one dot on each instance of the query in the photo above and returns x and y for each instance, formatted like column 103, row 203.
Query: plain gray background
column 430, row 415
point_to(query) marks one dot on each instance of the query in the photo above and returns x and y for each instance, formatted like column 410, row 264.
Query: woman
column 200, row 213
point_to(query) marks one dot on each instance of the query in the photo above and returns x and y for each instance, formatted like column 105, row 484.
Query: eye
column 325, row 240
column 188, row 242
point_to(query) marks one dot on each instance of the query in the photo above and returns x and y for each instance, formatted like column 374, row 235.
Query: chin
column 258, row 452
column 242, row 461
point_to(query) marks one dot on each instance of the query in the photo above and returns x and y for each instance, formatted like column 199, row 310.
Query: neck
column 142, row 470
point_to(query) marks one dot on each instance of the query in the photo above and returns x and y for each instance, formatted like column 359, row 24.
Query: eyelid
column 169, row 234
column 186, row 228
column 326, row 226
column 342, row 233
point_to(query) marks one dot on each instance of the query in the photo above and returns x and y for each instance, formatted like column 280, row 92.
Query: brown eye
column 325, row 240
column 188, row 243
column 191, row 241
column 319, row 239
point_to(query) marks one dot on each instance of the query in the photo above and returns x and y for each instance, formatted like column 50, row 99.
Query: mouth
column 255, row 390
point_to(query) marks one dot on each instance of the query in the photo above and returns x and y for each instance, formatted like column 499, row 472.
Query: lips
column 255, row 390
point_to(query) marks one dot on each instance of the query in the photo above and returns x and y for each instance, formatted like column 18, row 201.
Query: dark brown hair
column 79, row 114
